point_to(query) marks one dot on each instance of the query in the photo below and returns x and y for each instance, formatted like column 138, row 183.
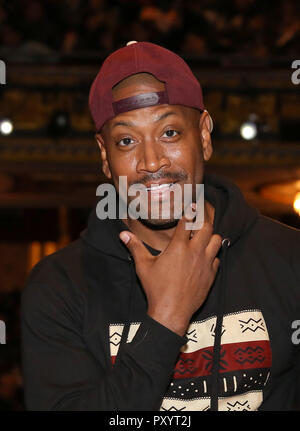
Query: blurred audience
column 256, row 27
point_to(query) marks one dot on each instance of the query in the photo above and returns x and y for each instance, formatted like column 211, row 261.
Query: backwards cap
column 181, row 86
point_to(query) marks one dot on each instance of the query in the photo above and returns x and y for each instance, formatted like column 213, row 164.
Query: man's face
column 154, row 145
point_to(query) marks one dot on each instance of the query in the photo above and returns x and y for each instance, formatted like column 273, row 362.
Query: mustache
column 176, row 176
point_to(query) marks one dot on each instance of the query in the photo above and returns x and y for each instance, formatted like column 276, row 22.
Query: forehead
column 153, row 116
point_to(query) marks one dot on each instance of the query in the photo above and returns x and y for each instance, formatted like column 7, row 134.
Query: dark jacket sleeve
column 61, row 373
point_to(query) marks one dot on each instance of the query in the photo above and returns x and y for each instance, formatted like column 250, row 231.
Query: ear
column 105, row 165
column 205, row 126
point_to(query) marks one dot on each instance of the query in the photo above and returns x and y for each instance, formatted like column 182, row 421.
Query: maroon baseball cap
column 181, row 85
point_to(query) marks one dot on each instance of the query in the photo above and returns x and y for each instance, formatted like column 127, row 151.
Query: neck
column 160, row 238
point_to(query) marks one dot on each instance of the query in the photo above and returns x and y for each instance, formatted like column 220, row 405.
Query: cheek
column 189, row 157
column 121, row 165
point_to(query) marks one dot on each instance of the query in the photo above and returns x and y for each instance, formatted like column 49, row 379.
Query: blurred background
column 242, row 51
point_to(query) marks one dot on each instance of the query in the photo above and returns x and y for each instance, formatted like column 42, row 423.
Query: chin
column 159, row 224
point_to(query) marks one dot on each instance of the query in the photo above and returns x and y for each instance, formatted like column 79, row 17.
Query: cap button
column 131, row 42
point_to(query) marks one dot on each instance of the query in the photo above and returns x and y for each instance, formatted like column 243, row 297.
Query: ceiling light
column 248, row 130
column 6, row 126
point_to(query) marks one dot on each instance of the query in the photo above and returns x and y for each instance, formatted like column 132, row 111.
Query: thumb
column 134, row 245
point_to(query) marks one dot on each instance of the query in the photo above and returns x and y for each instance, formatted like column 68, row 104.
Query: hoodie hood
column 104, row 235
column 233, row 217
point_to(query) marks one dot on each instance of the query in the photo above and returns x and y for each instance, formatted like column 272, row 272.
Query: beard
column 159, row 216
column 162, row 219
column 159, row 224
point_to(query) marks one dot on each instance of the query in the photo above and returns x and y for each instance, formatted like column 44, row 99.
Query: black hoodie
column 88, row 343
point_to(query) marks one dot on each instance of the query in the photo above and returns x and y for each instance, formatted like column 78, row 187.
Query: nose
column 152, row 157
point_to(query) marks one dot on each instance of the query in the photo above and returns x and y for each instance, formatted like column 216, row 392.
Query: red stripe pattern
column 234, row 356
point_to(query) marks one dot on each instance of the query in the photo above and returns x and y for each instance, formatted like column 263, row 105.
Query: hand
column 177, row 281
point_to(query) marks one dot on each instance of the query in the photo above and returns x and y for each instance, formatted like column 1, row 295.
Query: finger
column 134, row 245
column 216, row 264
column 198, row 216
column 181, row 231
column 213, row 246
column 202, row 236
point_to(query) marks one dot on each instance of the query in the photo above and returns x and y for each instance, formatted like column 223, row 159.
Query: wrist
column 172, row 322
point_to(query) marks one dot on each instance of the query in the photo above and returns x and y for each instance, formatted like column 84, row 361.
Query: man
column 145, row 313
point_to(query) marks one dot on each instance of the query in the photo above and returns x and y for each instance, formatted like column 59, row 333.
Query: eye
column 170, row 133
column 124, row 142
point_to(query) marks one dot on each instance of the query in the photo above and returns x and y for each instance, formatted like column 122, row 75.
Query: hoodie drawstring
column 128, row 322
column 218, row 329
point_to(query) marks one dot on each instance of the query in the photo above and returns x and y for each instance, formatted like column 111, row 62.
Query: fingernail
column 190, row 212
column 125, row 237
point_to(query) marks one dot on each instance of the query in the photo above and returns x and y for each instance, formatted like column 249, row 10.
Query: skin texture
column 144, row 147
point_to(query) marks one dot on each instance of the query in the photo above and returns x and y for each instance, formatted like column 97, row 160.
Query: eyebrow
column 129, row 124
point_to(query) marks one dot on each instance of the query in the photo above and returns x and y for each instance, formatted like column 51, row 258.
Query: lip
column 161, row 194
column 158, row 183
